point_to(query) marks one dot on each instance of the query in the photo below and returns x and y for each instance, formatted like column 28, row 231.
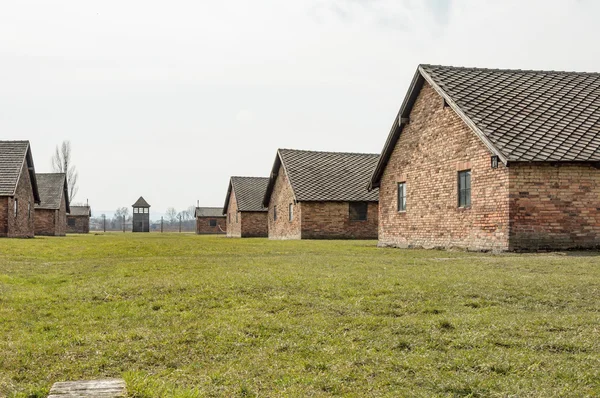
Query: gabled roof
column 141, row 202
column 80, row 211
column 325, row 176
column 249, row 193
column 520, row 115
column 52, row 187
column 13, row 154
column 209, row 212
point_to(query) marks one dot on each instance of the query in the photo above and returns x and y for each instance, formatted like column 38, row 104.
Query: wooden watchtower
column 141, row 216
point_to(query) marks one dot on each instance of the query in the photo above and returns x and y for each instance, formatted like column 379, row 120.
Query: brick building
column 18, row 190
column 321, row 195
column 246, row 215
column 210, row 220
column 493, row 160
column 51, row 212
column 78, row 220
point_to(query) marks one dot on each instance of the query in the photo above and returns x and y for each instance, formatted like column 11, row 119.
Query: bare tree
column 62, row 163
column 172, row 215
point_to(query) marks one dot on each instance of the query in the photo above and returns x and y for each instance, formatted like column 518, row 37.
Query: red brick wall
column 45, row 222
column 21, row 226
column 554, row 206
column 254, row 224
column 82, row 225
column 234, row 225
column 331, row 220
column 51, row 222
column 428, row 155
column 281, row 197
column 203, row 225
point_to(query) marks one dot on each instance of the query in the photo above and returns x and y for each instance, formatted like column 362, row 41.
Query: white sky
column 167, row 99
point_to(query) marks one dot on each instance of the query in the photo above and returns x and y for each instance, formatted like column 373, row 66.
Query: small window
column 358, row 211
column 29, row 210
column 212, row 223
column 464, row 188
column 291, row 212
column 146, row 211
column 71, row 222
column 401, row 196
column 275, row 213
column 135, row 210
column 236, row 217
column 16, row 204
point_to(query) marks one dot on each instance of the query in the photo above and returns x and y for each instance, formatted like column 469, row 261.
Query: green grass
column 192, row 316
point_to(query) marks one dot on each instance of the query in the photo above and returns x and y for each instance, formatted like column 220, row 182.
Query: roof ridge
column 328, row 152
column 248, row 177
column 474, row 68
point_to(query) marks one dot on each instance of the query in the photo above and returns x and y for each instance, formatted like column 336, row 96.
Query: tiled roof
column 326, row 176
column 520, row 115
column 528, row 115
column 209, row 212
column 141, row 202
column 80, row 211
column 12, row 156
column 52, row 187
column 249, row 193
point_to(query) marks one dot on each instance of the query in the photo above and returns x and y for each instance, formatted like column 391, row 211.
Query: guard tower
column 141, row 216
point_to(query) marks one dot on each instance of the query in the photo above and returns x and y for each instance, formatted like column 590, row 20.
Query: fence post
column 104, row 217
column 161, row 224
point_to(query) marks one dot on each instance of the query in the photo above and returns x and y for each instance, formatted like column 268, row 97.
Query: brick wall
column 45, row 222
column 203, row 225
column 282, row 196
column 554, row 206
column 234, row 225
column 21, row 226
column 81, row 224
column 61, row 218
column 51, row 222
column 254, row 224
column 428, row 155
column 331, row 220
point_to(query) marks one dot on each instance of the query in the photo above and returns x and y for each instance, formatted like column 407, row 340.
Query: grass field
column 191, row 316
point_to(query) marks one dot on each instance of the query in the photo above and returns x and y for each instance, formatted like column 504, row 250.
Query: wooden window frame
column 351, row 213
column 464, row 192
column 401, row 197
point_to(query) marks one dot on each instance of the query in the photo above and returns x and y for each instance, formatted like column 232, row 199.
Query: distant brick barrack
column 78, row 220
column 246, row 215
column 321, row 195
column 18, row 190
column 528, row 145
column 210, row 220
column 51, row 212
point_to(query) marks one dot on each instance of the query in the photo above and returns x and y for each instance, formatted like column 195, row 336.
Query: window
column 146, row 211
column 401, row 196
column 358, row 211
column 212, row 223
column 464, row 188
column 135, row 210
column 29, row 210
column 71, row 222
column 16, row 203
column 236, row 217
column 291, row 212
column 275, row 213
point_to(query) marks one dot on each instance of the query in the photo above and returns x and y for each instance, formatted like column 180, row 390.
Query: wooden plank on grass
column 106, row 388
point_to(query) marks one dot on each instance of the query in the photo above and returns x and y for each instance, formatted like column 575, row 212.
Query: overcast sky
column 167, row 99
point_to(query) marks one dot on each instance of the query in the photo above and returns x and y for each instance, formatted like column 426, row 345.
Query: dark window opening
column 275, row 213
column 212, row 223
column 71, row 222
column 464, row 188
column 401, row 196
column 358, row 211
